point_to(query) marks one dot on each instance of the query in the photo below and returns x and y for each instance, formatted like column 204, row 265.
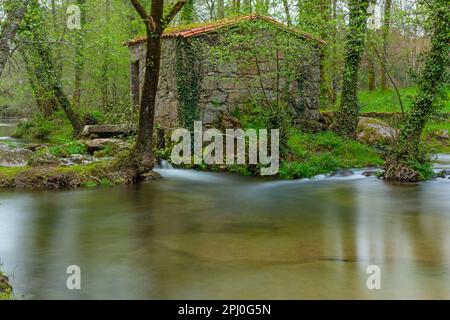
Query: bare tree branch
column 173, row 12
column 140, row 9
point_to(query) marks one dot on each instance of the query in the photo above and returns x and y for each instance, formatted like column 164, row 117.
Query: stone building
column 211, row 69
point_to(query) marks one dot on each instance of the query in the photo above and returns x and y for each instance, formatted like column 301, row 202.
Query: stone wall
column 226, row 86
column 166, row 110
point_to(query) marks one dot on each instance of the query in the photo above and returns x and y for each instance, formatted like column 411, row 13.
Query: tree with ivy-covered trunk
column 9, row 29
column 407, row 161
column 37, row 55
column 346, row 120
column 141, row 159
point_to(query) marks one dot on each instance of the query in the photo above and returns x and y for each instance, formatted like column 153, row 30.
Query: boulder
column 375, row 131
column 108, row 130
column 116, row 145
column 13, row 157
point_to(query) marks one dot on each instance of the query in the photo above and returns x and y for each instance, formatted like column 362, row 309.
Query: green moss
column 90, row 175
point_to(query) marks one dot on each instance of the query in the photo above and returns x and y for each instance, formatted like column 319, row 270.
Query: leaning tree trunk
column 346, row 120
column 9, row 30
column 407, row 162
column 41, row 68
column 220, row 9
column 142, row 158
column 287, row 12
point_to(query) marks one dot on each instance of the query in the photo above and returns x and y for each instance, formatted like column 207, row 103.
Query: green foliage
column 37, row 128
column 258, row 116
column 68, row 149
column 104, row 152
column 55, row 129
column 423, row 169
column 386, row 101
column 314, row 154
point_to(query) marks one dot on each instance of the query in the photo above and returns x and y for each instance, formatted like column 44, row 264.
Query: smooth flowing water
column 200, row 235
column 7, row 128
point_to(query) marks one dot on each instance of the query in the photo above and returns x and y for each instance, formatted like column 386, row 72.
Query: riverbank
column 58, row 177
column 62, row 162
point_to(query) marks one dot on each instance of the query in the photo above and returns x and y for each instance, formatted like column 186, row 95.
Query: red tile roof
column 190, row 31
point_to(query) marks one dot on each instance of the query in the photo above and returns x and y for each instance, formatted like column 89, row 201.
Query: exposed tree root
column 401, row 172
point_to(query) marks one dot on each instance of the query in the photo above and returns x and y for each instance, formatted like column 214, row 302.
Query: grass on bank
column 387, row 101
column 314, row 154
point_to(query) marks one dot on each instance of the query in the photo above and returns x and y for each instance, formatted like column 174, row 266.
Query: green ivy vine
column 188, row 82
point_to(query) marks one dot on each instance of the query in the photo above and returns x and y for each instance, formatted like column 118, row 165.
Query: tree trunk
column 370, row 67
column 220, row 9
column 287, row 12
column 41, row 69
column 142, row 155
column 9, row 30
column 346, row 120
column 104, row 75
column 79, row 55
column 407, row 161
column 334, row 60
column 386, row 30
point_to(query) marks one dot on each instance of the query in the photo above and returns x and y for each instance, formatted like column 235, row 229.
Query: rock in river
column 13, row 157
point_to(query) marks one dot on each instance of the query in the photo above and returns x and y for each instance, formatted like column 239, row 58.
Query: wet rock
column 44, row 160
column 151, row 176
column 33, row 147
column 52, row 161
column 75, row 159
column 115, row 145
column 342, row 173
column 14, row 157
column 370, row 174
column 375, row 131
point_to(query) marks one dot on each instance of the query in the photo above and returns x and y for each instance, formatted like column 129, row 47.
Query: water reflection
column 212, row 236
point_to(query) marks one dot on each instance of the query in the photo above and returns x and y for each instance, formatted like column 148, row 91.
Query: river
column 197, row 235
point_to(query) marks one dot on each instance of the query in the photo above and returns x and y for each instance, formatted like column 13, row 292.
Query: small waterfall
column 164, row 165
